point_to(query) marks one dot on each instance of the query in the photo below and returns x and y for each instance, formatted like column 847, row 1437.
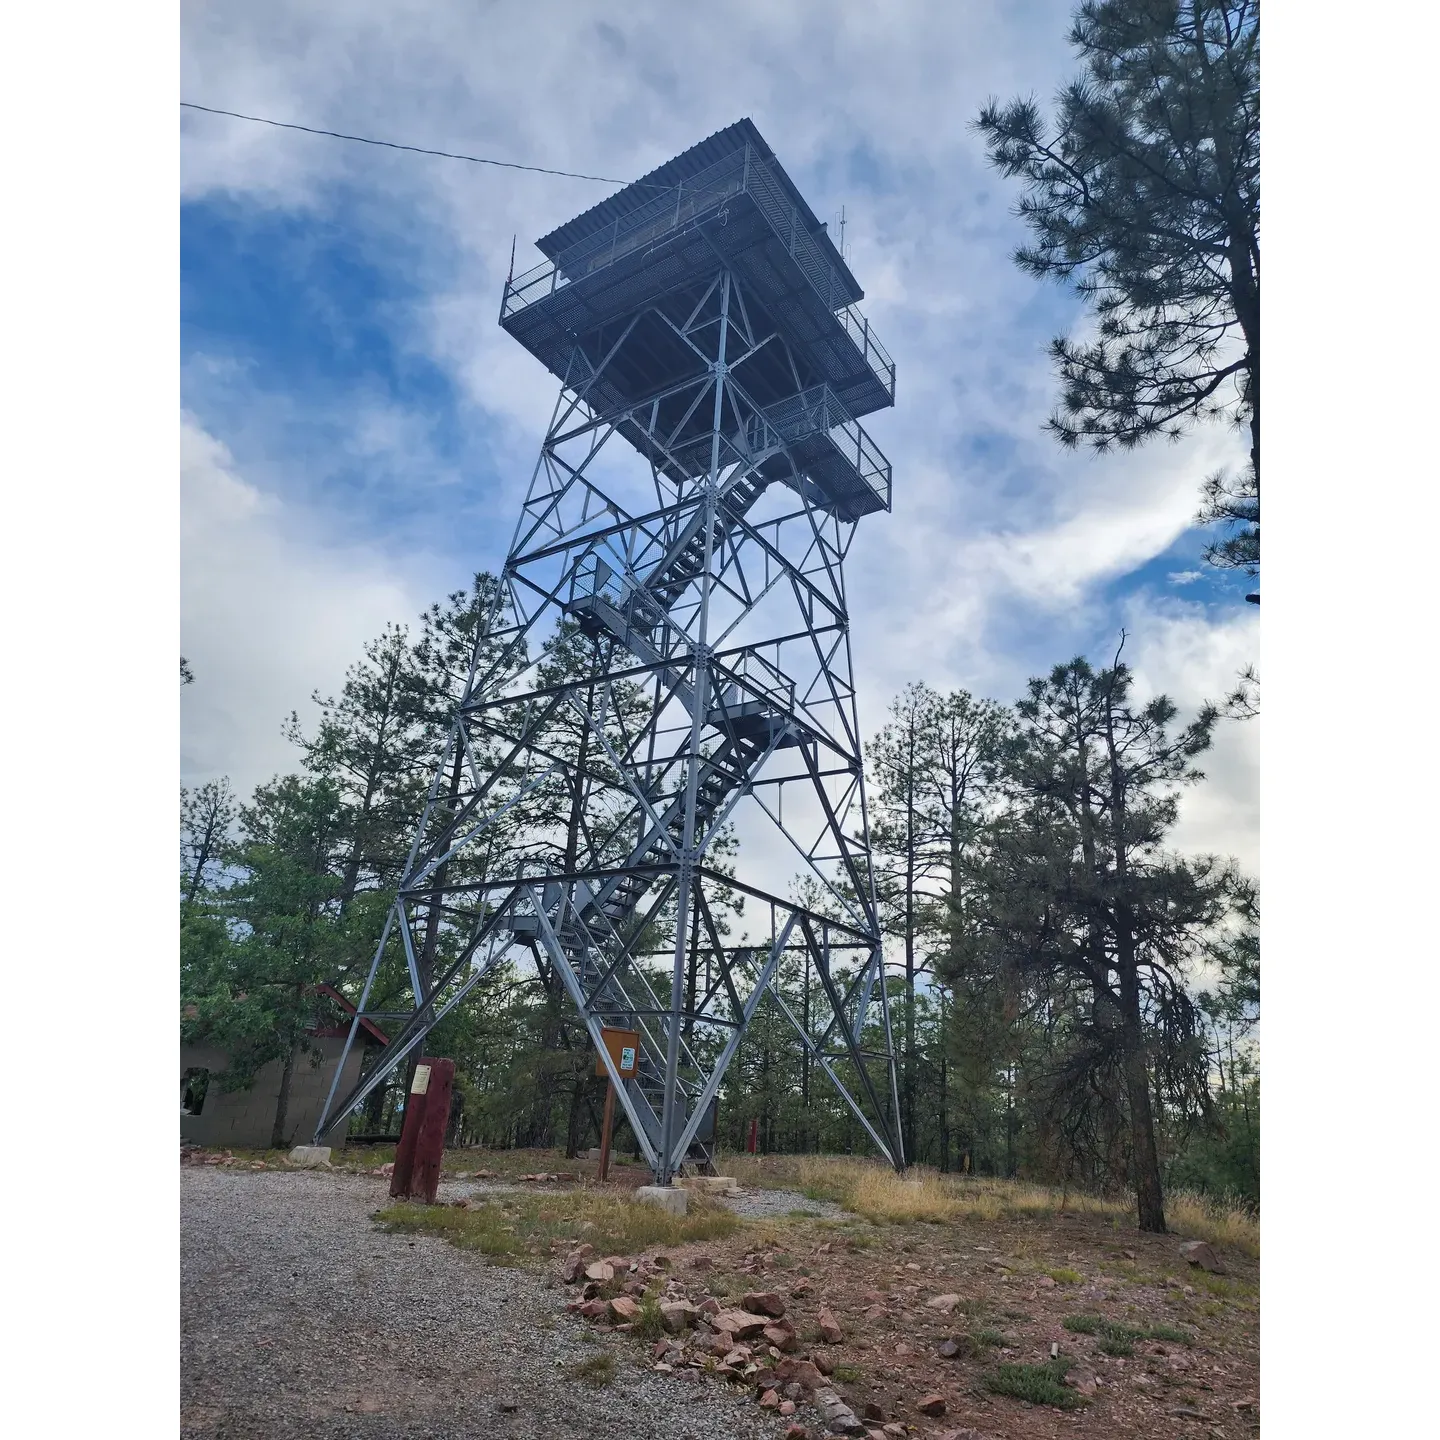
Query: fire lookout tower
column 667, row 664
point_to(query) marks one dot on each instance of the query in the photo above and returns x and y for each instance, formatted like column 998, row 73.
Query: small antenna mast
column 842, row 232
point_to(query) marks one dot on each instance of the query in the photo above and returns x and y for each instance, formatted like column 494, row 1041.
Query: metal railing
column 686, row 204
column 817, row 409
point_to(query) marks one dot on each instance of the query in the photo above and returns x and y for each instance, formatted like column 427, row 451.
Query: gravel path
column 299, row 1318
column 758, row 1204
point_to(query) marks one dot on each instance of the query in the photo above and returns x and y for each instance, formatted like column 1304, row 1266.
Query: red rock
column 678, row 1315
column 721, row 1343
column 795, row 1432
column 875, row 1312
column 623, row 1308
column 763, row 1302
column 702, row 1262
column 903, row 1349
column 943, row 1303
column 830, row 1330
column 871, row 1411
column 1197, row 1252
column 873, row 1297
column 658, row 1349
column 799, row 1288
column 595, row 1309
column 710, row 1306
column 824, row 1364
column 739, row 1323
column 931, row 1405
column 782, row 1336
column 770, row 1400
column 1045, row 1282
column 600, row 1271
column 786, row 1407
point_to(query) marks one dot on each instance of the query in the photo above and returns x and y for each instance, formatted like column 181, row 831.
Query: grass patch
column 846, row 1374
column 651, row 1324
column 1117, row 1339
column 1173, row 1333
column 804, row 1214
column 987, row 1335
column 527, row 1224
column 597, row 1370
column 870, row 1188
column 1035, row 1384
column 1062, row 1276
column 1220, row 1221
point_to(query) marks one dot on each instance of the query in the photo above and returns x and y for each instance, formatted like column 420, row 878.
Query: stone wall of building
column 244, row 1118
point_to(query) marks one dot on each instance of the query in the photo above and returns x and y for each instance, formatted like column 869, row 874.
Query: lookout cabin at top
column 610, row 310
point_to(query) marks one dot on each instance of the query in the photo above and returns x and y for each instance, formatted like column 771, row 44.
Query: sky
column 357, row 431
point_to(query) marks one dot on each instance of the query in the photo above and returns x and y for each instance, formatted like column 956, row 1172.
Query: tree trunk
column 282, row 1102
column 1149, row 1198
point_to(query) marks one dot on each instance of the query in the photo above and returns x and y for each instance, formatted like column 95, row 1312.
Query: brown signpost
column 624, row 1049
column 422, row 1136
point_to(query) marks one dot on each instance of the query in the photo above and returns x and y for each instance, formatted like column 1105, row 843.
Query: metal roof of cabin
column 729, row 141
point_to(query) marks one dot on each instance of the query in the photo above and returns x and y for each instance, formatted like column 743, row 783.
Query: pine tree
column 1145, row 193
column 1095, row 924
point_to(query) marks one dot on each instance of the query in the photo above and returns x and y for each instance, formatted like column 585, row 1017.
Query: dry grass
column 529, row 1224
column 872, row 1189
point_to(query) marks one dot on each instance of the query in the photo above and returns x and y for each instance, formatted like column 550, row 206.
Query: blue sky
column 357, row 431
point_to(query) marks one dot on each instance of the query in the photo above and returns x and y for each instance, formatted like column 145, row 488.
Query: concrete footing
column 310, row 1157
column 710, row 1184
column 667, row 1197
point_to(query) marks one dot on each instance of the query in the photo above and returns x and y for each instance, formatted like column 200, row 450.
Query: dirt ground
column 1016, row 1280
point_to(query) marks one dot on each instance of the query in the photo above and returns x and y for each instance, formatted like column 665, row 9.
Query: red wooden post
column 430, row 1141
column 751, row 1138
column 410, row 1131
column 606, row 1125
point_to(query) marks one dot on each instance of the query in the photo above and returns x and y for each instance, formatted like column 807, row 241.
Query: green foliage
column 1035, row 1384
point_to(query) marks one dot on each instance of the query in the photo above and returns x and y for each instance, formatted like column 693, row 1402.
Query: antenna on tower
column 842, row 233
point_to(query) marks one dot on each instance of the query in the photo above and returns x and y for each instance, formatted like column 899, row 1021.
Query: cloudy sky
column 357, row 430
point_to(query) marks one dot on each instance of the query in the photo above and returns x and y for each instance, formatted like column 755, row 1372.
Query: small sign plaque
column 421, row 1083
column 624, row 1048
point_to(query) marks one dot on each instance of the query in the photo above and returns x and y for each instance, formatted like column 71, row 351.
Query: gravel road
column 299, row 1318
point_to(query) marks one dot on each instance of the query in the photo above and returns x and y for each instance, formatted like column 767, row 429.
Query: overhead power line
column 413, row 149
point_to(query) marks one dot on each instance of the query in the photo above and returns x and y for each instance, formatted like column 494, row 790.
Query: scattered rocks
column 781, row 1336
column 678, row 1315
column 946, row 1303
column 1197, row 1252
column 624, row 1310
column 830, row 1330
column 575, row 1263
column 600, row 1271
column 931, row 1405
column 763, row 1302
column 838, row 1416
column 1045, row 1282
column 957, row 1347
column 1080, row 1379
column 739, row 1323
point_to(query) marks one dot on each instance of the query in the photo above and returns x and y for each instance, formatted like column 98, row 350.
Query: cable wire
column 414, row 149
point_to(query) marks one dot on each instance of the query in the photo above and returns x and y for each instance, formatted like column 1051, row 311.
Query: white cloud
column 269, row 614
column 1185, row 577
column 996, row 561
